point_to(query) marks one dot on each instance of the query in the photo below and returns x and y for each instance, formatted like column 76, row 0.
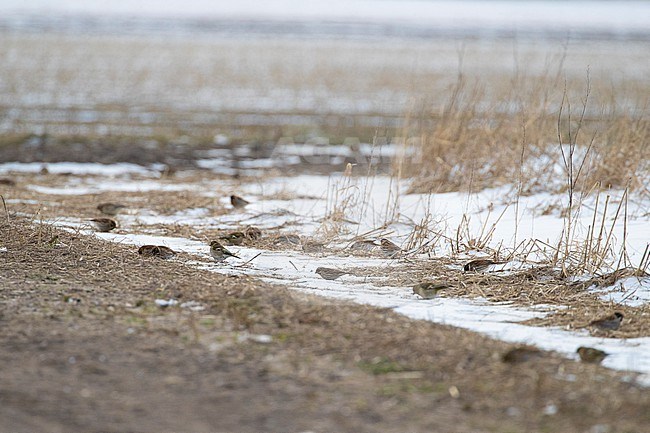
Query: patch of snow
column 296, row 270
column 166, row 302
column 632, row 291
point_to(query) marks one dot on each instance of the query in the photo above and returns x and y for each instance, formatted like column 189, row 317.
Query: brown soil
column 84, row 347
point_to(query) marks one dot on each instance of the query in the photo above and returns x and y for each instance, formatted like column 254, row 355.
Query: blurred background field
column 299, row 69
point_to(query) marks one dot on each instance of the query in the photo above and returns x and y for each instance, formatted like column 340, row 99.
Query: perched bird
column 110, row 208
column 591, row 355
column 429, row 290
column 237, row 202
column 219, row 252
column 252, row 233
column 609, row 323
column 479, row 265
column 156, row 251
column 389, row 249
column 329, row 273
column 364, row 246
column 521, row 354
column 103, row 224
column 234, row 238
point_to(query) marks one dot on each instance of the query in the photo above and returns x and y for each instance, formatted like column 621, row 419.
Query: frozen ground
column 314, row 198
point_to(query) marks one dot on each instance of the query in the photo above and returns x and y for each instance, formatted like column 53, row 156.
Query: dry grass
column 540, row 285
column 477, row 140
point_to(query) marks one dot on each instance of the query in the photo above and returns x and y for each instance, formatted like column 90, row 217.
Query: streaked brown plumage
column 110, row 208
column 156, row 251
column 293, row 240
column 252, row 233
column 8, row 182
column 429, row 290
column 329, row 273
column 219, row 252
column 237, row 202
column 310, row 246
column 479, row 265
column 591, row 355
column 609, row 323
column 234, row 238
column 364, row 246
column 103, row 224
column 389, row 249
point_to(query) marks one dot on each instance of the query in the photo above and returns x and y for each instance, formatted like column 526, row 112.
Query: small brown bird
column 329, row 273
column 237, row 202
column 252, row 233
column 103, row 224
column 166, row 252
column 234, row 238
column 389, row 249
column 110, row 208
column 156, row 251
column 429, row 290
column 310, row 246
column 591, row 355
column 6, row 181
column 149, row 250
column 364, row 246
column 293, row 240
column 479, row 265
column 521, row 354
column 609, row 323
column 219, row 252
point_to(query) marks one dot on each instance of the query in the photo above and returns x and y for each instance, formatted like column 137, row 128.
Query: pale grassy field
column 65, row 84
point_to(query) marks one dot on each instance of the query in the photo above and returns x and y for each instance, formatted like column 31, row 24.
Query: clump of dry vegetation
column 483, row 136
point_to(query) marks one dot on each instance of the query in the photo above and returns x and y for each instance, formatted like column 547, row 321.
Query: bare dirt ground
column 84, row 347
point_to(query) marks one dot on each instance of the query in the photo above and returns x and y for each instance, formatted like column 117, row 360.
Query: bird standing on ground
column 8, row 182
column 479, row 265
column 252, row 233
column 237, row 202
column 110, row 208
column 219, row 252
column 234, row 238
column 429, row 290
column 389, row 249
column 103, row 224
column 364, row 246
column 329, row 273
column 609, row 323
column 591, row 355
column 156, row 251
column 290, row 240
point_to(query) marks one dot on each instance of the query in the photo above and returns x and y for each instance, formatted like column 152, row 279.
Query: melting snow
column 296, row 269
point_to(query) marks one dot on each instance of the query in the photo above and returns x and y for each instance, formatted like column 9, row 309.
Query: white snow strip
column 499, row 321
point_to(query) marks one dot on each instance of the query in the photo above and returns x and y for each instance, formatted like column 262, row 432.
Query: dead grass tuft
column 511, row 136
